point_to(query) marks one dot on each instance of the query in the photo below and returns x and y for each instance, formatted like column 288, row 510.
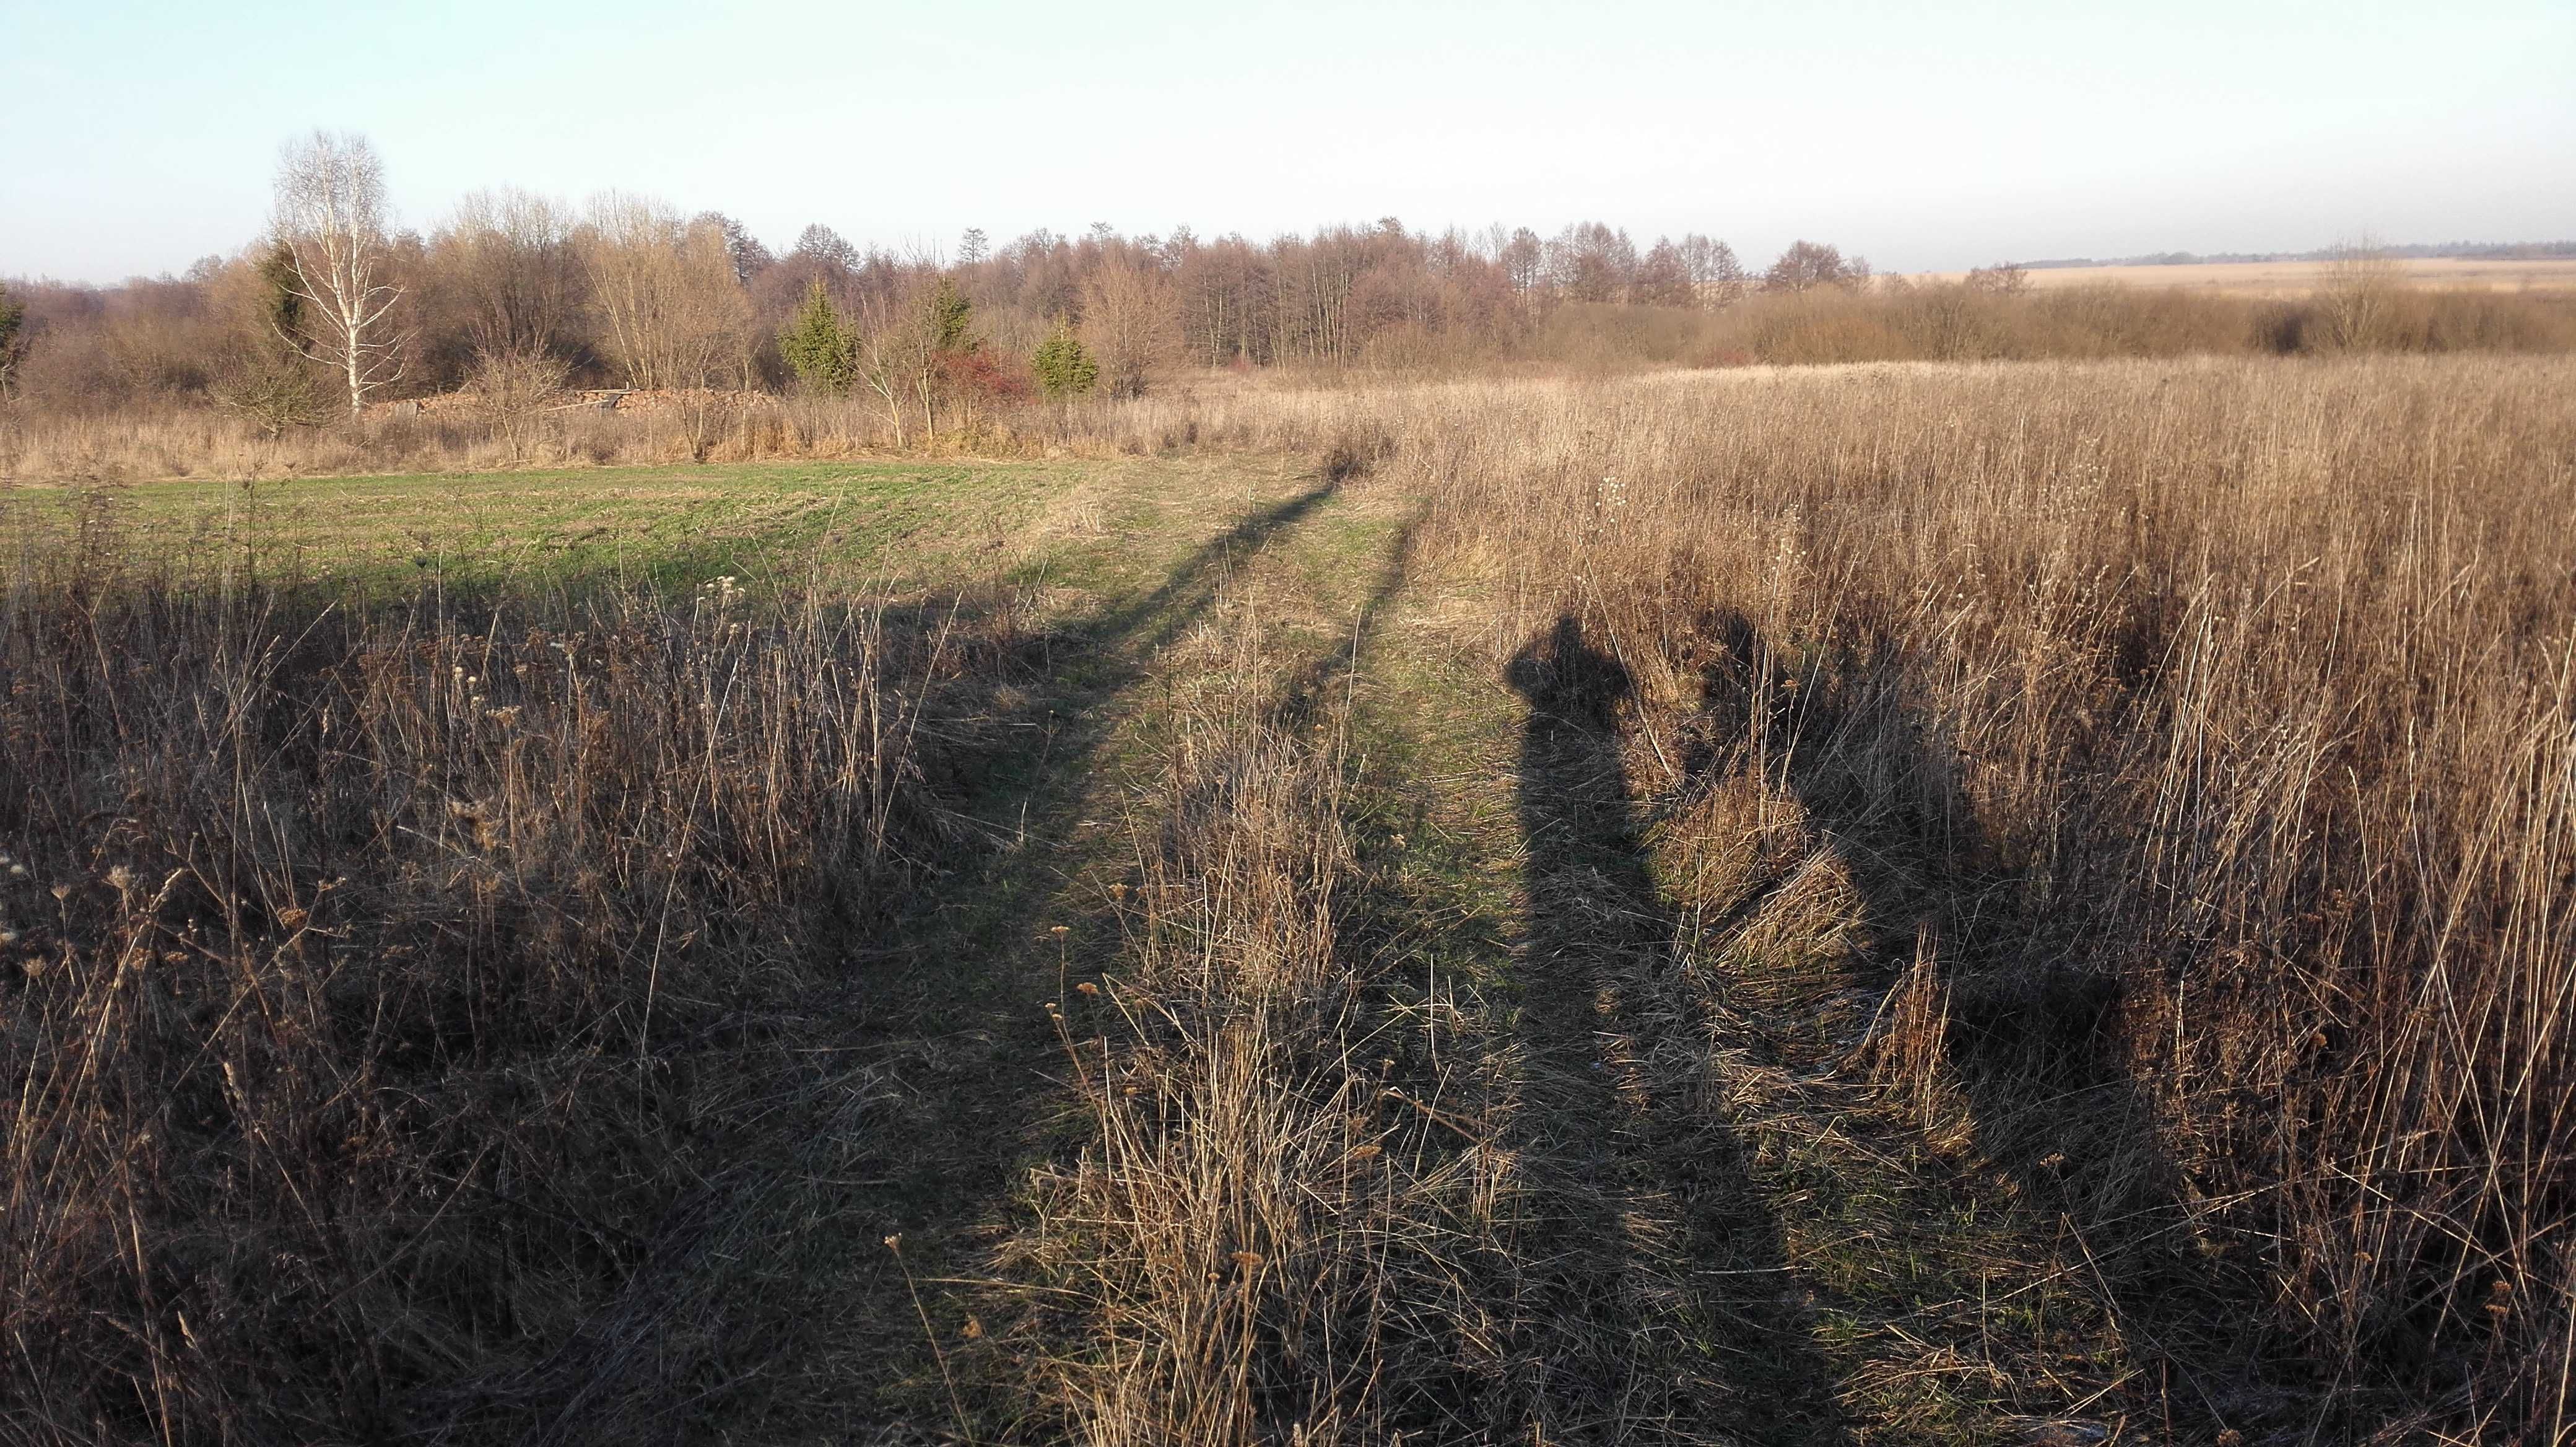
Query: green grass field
column 905, row 525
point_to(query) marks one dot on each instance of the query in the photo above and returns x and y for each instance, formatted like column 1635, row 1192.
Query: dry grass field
column 2297, row 278
column 2001, row 903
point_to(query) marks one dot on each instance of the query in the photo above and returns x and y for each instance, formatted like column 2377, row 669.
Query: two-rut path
column 1691, row 1271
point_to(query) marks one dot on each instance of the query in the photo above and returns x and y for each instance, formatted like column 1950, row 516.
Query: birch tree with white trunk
column 331, row 219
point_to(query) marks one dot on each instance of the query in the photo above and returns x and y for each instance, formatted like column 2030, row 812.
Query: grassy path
column 1722, row 1227
column 955, row 1085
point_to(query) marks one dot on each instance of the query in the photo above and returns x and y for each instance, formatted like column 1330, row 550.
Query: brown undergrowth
column 2207, row 732
column 403, row 998
column 2013, row 904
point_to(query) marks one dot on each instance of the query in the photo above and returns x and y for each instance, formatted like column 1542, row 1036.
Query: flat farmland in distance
column 2291, row 278
column 899, row 524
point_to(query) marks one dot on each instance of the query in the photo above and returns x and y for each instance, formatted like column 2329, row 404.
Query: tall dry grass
column 2188, row 748
column 1275, row 1232
column 399, row 997
column 2213, row 724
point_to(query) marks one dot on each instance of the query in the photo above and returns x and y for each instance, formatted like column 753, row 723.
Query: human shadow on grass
column 1307, row 698
column 2030, row 1040
column 769, row 1295
column 1659, row 1305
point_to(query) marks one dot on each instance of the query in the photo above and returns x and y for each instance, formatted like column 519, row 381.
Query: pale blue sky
column 142, row 135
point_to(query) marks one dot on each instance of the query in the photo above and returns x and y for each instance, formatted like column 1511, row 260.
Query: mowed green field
column 900, row 526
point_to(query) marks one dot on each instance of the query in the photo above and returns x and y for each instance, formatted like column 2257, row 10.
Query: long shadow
column 1158, row 617
column 977, row 1104
column 1666, row 1310
column 918, row 1125
column 1307, row 695
column 2030, row 1043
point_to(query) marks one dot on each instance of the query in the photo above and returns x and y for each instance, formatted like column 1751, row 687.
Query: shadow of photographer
column 1664, row 1308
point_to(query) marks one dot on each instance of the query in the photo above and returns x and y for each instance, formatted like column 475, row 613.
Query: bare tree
column 672, row 314
column 1717, row 278
column 2004, row 278
column 1808, row 264
column 331, row 219
column 750, row 258
column 1523, row 258
column 1131, row 321
column 514, row 390
column 1663, row 277
column 1591, row 262
column 896, row 348
column 824, row 244
column 2358, row 285
column 509, row 254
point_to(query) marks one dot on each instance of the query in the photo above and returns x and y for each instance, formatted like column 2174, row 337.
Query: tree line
column 335, row 307
column 515, row 296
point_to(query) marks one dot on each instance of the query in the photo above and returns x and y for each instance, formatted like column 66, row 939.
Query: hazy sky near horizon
column 143, row 133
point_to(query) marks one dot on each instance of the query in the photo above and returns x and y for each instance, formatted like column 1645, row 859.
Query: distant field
column 2281, row 278
column 901, row 524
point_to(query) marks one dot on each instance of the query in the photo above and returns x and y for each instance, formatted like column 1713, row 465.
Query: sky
column 141, row 135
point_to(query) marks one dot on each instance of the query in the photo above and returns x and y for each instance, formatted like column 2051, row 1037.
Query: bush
column 1064, row 367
